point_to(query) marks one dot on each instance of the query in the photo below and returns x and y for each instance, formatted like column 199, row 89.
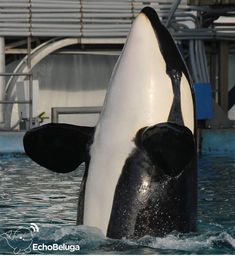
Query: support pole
column 29, row 64
column 223, row 75
column 172, row 12
column 2, row 78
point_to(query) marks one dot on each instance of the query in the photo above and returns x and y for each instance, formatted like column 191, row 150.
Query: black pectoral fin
column 169, row 145
column 58, row 147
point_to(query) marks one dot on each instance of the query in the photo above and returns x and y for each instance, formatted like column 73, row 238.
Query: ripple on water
column 32, row 194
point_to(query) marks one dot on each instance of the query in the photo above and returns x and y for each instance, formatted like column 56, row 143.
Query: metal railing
column 29, row 101
column 73, row 18
column 90, row 19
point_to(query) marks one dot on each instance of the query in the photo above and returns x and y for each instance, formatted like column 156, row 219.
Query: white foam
column 192, row 243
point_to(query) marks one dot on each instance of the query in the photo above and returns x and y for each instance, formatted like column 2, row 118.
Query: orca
column 140, row 159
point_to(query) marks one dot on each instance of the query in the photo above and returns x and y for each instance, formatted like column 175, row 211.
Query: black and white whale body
column 140, row 176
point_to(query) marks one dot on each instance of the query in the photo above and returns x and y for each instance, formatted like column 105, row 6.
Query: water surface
column 32, row 194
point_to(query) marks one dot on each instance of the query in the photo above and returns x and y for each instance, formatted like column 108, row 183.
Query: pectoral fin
column 58, row 147
column 169, row 145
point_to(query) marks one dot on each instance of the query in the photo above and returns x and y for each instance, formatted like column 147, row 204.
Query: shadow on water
column 31, row 194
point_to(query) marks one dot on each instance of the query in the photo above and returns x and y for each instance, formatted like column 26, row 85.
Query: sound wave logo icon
column 34, row 227
column 21, row 239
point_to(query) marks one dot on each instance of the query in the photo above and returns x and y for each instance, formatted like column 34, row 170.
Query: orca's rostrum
column 141, row 176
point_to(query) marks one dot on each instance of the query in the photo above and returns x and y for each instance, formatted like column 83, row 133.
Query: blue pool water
column 32, row 194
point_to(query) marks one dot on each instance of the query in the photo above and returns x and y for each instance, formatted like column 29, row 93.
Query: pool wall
column 11, row 142
column 217, row 141
column 211, row 141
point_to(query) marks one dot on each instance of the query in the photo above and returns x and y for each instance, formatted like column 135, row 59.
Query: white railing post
column 2, row 78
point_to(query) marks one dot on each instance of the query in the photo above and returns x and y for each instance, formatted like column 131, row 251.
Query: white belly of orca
column 140, row 94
